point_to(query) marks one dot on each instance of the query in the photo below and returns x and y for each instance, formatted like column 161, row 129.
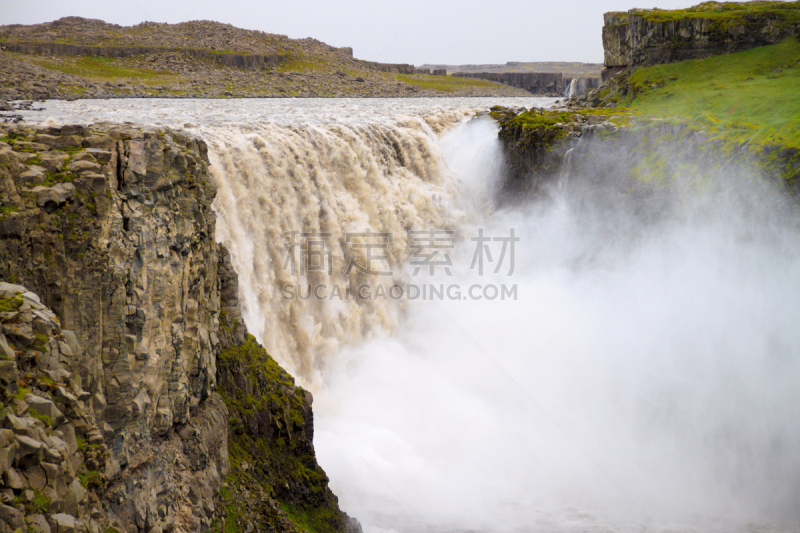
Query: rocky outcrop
column 568, row 69
column 249, row 61
column 57, row 454
column 53, row 451
column 112, row 228
column 648, row 37
column 395, row 68
column 543, row 148
column 536, row 144
column 275, row 483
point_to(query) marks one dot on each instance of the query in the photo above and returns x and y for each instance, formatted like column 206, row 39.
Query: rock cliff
column 630, row 158
column 648, row 37
column 119, row 308
column 550, row 83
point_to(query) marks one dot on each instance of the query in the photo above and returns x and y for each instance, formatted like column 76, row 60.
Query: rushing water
column 644, row 377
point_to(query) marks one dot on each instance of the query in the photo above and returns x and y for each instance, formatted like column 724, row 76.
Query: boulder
column 7, row 290
column 84, row 165
column 8, row 449
column 11, row 516
column 14, row 480
column 6, row 350
column 53, row 161
column 62, row 523
column 46, row 407
column 62, row 142
column 36, row 477
column 28, row 446
column 20, row 425
column 102, row 156
column 33, row 176
column 20, row 333
column 37, row 524
column 52, row 197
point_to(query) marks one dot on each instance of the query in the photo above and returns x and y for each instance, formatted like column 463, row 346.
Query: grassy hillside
column 82, row 58
column 751, row 96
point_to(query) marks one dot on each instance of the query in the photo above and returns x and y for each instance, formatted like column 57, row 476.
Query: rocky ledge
column 119, row 320
column 643, row 37
column 545, row 148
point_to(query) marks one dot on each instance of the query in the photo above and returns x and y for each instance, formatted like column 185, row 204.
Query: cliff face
column 246, row 61
column 536, row 144
column 533, row 82
column 112, row 228
column 649, row 37
column 545, row 149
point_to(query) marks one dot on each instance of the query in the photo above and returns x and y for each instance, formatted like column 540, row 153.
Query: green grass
column 91, row 478
column 41, row 342
column 103, row 68
column 40, row 503
column 751, row 96
column 39, row 416
column 309, row 520
column 726, row 14
column 444, row 83
column 543, row 127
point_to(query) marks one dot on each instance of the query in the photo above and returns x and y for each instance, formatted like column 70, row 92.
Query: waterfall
column 645, row 378
column 566, row 169
column 642, row 378
column 579, row 86
column 572, row 88
column 332, row 180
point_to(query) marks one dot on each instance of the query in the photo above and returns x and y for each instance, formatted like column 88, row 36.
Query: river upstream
column 569, row 364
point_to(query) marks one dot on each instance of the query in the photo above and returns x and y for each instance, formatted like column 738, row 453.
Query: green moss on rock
column 9, row 305
column 274, row 478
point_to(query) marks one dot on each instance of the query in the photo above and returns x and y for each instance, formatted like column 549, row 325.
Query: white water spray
column 645, row 378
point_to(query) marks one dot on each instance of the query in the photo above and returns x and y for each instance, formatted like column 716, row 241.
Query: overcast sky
column 397, row 31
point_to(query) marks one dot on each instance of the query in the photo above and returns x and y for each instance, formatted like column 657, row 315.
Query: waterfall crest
column 383, row 177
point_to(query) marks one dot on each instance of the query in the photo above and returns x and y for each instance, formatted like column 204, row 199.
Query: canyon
column 156, row 378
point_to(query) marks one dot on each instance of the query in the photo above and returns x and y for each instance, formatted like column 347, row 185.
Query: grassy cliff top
column 788, row 12
column 751, row 96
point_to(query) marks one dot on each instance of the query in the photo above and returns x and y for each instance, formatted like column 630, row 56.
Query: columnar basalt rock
column 119, row 305
column 57, row 455
column 534, row 82
column 117, row 237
